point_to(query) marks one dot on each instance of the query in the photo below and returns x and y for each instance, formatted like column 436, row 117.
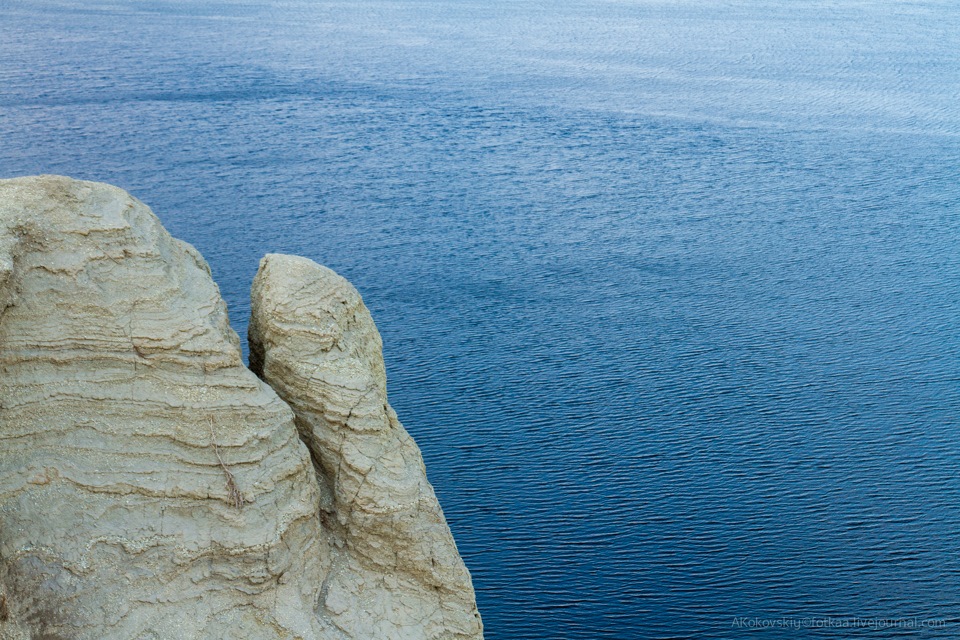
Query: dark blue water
column 669, row 291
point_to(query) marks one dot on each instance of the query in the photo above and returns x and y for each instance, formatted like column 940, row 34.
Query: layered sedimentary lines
column 150, row 485
column 120, row 373
column 313, row 340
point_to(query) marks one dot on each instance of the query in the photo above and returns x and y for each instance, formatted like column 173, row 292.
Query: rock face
column 152, row 487
column 313, row 340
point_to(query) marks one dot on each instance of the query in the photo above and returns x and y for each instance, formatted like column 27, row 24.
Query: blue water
column 669, row 291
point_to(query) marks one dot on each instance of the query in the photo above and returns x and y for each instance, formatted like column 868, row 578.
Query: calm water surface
column 669, row 291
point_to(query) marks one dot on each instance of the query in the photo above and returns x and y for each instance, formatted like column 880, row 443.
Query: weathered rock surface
column 150, row 485
column 313, row 340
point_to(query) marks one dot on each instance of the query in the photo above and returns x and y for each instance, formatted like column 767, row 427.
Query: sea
column 669, row 290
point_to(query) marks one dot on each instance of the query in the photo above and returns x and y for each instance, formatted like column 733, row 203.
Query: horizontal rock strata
column 313, row 340
column 152, row 487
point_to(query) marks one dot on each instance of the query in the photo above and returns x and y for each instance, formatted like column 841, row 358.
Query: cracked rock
column 152, row 487
column 313, row 340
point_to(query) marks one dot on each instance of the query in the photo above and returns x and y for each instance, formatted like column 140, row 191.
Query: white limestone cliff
column 152, row 487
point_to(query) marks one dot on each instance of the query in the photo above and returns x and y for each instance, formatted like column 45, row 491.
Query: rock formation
column 313, row 340
column 152, row 487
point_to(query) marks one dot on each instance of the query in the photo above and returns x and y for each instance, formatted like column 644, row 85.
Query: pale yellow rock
column 396, row 573
column 151, row 487
column 122, row 390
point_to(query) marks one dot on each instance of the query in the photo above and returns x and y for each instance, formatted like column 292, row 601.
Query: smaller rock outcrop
column 396, row 571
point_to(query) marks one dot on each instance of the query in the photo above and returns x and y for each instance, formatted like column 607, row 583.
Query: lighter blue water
column 669, row 291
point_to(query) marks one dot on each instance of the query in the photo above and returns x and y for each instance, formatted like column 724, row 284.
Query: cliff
column 151, row 486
